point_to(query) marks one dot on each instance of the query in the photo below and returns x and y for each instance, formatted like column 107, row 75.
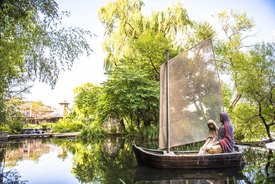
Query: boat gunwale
column 183, row 153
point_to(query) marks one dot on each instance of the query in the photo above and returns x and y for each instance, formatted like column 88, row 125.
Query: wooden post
column 167, row 102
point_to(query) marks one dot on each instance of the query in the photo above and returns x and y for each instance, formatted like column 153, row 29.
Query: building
column 36, row 112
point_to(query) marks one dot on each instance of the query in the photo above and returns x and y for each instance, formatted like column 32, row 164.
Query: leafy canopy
column 34, row 45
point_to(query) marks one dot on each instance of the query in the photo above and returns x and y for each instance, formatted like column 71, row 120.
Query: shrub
column 149, row 132
column 94, row 130
column 15, row 127
column 65, row 125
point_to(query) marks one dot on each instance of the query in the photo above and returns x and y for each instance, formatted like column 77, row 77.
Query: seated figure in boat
column 225, row 143
column 212, row 136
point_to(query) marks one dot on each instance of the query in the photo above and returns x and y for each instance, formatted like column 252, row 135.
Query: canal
column 57, row 161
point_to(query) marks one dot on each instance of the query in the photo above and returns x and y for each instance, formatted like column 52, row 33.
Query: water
column 58, row 161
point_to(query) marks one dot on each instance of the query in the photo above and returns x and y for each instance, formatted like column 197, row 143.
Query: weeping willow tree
column 125, row 24
column 135, row 47
column 34, row 45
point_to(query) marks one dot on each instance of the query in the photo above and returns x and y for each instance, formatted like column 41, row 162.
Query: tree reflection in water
column 103, row 161
column 11, row 177
column 112, row 161
column 260, row 165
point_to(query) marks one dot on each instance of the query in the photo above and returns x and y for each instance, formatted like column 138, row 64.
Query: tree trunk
column 122, row 124
column 267, row 166
column 267, row 127
column 138, row 123
column 235, row 101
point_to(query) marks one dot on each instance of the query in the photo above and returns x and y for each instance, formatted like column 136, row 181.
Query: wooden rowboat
column 186, row 159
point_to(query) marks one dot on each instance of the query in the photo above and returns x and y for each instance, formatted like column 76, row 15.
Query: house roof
column 53, row 115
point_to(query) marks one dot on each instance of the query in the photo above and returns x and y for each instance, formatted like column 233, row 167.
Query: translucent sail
column 194, row 95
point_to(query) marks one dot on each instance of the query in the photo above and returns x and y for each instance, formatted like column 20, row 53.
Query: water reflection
column 173, row 176
column 11, row 176
column 103, row 161
column 260, row 165
column 35, row 161
column 112, row 161
column 29, row 149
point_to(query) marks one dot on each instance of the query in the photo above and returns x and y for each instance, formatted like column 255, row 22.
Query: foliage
column 227, row 94
column 230, row 51
column 66, row 125
column 125, row 23
column 199, row 32
column 148, row 53
column 34, row 45
column 149, row 132
column 29, row 125
column 135, row 45
column 130, row 95
column 92, row 131
column 135, row 48
column 189, row 147
column 256, row 81
column 246, row 127
column 252, row 72
column 46, row 125
column 13, row 117
column 39, row 39
column 86, row 100
column 260, row 165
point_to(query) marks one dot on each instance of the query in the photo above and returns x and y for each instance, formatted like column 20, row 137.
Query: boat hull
column 187, row 159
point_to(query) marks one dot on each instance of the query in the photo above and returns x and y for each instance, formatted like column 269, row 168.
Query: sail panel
column 194, row 95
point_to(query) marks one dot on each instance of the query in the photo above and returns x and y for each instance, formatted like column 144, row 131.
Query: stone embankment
column 44, row 135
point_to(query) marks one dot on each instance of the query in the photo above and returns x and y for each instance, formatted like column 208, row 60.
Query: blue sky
column 90, row 69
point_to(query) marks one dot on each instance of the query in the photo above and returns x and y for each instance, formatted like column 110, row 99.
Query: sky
column 84, row 14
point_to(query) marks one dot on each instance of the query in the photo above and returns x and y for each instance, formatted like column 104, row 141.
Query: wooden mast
column 167, row 102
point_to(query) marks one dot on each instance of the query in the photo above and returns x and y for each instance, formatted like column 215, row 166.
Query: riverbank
column 44, row 135
column 263, row 144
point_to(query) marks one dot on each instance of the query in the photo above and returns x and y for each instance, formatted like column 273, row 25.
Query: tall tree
column 125, row 23
column 86, row 101
column 237, row 28
column 148, row 52
column 252, row 72
column 256, row 79
column 135, row 45
column 34, row 45
column 129, row 95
